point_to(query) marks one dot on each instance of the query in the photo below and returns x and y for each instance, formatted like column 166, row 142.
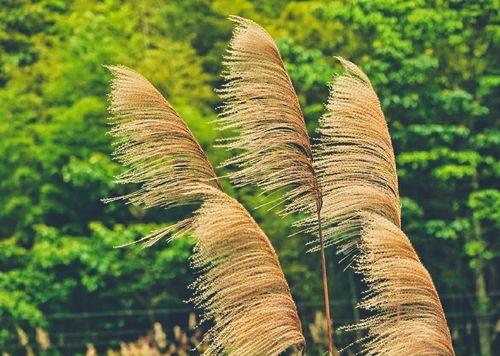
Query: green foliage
column 61, row 273
column 433, row 64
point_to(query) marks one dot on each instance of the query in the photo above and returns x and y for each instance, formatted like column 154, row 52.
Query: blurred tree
column 62, row 275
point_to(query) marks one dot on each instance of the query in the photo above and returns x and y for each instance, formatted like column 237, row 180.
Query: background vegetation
column 434, row 65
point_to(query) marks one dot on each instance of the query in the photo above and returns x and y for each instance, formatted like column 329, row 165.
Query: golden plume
column 243, row 288
column 154, row 143
column 262, row 108
column 354, row 157
column 361, row 199
column 241, row 285
column 407, row 316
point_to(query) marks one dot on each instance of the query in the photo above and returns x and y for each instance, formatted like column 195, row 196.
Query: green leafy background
column 434, row 65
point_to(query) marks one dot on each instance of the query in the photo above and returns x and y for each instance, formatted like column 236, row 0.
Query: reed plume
column 407, row 316
column 354, row 157
column 241, row 286
column 358, row 173
column 346, row 185
column 243, row 289
column 153, row 142
column 262, row 108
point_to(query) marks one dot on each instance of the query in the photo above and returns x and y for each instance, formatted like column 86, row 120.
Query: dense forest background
column 434, row 64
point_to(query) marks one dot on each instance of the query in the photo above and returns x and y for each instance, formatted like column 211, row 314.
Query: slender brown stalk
column 324, row 279
column 262, row 108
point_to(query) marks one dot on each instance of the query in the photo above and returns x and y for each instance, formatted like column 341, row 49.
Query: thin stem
column 325, row 287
